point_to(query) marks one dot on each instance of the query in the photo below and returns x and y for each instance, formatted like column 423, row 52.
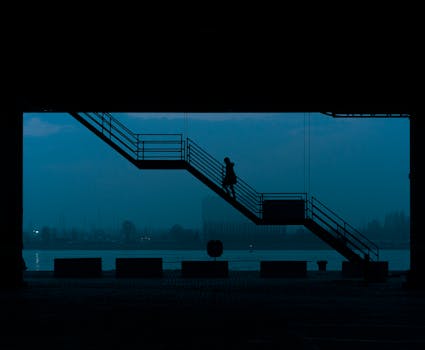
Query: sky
column 72, row 179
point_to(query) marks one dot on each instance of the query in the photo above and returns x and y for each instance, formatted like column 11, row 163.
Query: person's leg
column 226, row 188
column 233, row 191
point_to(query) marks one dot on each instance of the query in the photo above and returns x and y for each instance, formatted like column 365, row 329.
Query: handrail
column 110, row 127
column 342, row 236
column 214, row 170
column 346, row 226
column 342, row 229
column 144, row 147
column 115, row 121
column 159, row 146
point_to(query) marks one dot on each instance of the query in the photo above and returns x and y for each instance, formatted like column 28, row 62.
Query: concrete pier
column 323, row 310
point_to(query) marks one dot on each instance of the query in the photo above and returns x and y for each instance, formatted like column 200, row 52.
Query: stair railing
column 342, row 230
column 114, row 130
column 174, row 147
column 160, row 147
column 215, row 171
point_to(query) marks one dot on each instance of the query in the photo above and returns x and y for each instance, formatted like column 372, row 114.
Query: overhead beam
column 393, row 114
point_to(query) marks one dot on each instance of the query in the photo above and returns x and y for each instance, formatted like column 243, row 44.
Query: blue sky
column 358, row 167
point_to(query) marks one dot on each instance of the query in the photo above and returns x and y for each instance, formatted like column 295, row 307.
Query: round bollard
column 215, row 248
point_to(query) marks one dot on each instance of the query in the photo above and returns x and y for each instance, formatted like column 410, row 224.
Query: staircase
column 172, row 151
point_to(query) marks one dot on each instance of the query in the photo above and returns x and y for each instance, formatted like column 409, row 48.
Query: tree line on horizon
column 393, row 230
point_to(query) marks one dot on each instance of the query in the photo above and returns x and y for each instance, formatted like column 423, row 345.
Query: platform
column 243, row 311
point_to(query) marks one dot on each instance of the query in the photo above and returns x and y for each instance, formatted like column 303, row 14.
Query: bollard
column 322, row 265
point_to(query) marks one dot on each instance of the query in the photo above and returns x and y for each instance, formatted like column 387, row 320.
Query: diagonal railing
column 215, row 171
column 141, row 148
column 145, row 147
column 342, row 230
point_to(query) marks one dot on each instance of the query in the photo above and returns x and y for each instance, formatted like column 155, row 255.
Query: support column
column 11, row 214
column 416, row 276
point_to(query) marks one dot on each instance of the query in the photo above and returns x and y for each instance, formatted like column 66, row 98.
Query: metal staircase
column 172, row 151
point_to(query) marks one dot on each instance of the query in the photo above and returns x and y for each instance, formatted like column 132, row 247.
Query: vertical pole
column 137, row 146
column 11, row 213
column 416, row 276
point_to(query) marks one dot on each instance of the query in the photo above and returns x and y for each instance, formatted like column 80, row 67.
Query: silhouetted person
column 229, row 179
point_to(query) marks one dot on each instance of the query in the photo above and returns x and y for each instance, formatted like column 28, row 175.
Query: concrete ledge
column 282, row 268
column 205, row 268
column 376, row 271
column 372, row 271
column 77, row 267
column 352, row 269
column 138, row 267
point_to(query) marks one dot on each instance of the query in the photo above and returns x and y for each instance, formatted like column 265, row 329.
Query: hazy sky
column 358, row 167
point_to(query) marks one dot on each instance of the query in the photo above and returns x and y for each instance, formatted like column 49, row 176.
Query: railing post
column 103, row 122
column 261, row 210
column 110, row 127
column 307, row 208
column 182, row 148
column 312, row 207
column 137, row 146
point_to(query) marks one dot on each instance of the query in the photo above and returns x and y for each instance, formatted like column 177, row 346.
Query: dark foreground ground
column 243, row 311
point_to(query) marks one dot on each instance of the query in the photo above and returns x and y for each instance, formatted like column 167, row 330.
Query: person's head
column 227, row 160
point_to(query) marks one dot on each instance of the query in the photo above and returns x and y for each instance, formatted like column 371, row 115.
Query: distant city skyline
column 358, row 167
